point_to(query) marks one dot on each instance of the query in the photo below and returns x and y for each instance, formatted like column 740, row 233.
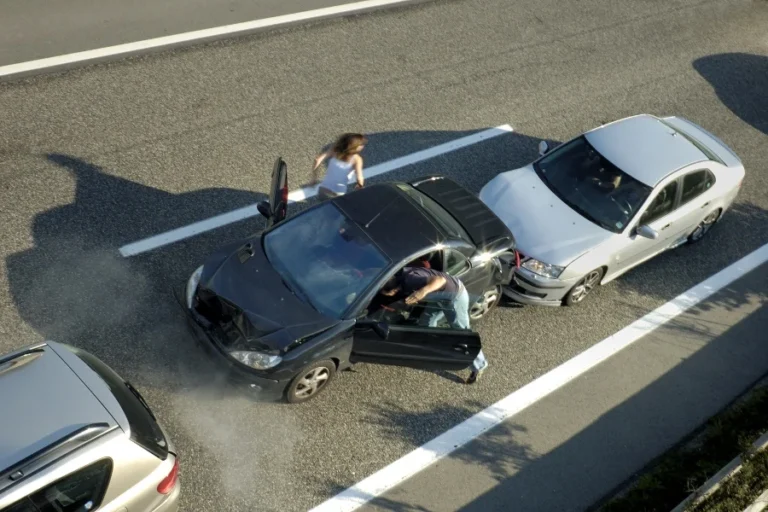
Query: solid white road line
column 202, row 226
column 197, row 35
column 443, row 445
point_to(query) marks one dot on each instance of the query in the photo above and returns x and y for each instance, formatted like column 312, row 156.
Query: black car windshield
column 325, row 258
column 591, row 185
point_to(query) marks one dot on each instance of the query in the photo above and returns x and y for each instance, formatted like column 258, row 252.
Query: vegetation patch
column 683, row 470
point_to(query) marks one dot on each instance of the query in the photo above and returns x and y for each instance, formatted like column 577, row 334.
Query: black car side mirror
column 380, row 328
column 264, row 209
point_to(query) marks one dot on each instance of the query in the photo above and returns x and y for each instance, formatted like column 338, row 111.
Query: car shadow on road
column 533, row 470
column 670, row 274
column 740, row 80
column 72, row 285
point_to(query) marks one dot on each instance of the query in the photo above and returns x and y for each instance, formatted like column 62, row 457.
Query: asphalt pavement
column 38, row 29
column 602, row 429
column 99, row 157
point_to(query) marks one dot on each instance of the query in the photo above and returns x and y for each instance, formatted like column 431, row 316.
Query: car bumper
column 238, row 376
column 171, row 502
column 526, row 288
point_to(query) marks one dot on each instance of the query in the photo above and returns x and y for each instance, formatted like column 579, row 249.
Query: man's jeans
column 456, row 311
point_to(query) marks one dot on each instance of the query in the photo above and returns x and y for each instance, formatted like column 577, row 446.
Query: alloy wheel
column 585, row 286
column 704, row 227
column 486, row 302
column 312, row 382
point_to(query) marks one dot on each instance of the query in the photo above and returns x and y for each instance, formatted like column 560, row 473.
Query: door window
column 662, row 204
column 455, row 262
column 695, row 184
column 79, row 492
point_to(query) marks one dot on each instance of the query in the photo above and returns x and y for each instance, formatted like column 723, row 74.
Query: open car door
column 276, row 209
column 414, row 346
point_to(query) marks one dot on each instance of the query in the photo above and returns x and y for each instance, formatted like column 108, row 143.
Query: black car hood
column 276, row 318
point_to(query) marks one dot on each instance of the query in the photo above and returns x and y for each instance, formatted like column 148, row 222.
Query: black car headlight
column 257, row 360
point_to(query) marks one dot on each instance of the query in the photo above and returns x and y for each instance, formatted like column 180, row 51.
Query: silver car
column 606, row 201
column 74, row 436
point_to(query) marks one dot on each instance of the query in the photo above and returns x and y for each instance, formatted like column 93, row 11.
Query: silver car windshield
column 325, row 258
column 591, row 185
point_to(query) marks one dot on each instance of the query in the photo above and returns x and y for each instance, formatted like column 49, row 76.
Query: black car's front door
column 278, row 193
column 416, row 347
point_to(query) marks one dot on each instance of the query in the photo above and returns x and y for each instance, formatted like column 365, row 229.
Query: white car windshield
column 325, row 258
column 591, row 185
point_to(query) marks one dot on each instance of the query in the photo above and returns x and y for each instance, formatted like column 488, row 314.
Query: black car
column 287, row 308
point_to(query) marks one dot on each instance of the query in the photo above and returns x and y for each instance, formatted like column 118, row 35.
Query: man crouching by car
column 447, row 293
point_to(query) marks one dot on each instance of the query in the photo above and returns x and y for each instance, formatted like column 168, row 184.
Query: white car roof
column 644, row 147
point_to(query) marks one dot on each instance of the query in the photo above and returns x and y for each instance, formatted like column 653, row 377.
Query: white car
column 608, row 200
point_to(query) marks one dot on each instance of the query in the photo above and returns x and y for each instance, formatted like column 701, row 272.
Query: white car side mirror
column 648, row 232
column 543, row 147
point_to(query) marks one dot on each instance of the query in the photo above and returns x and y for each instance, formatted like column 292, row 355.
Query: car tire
column 310, row 381
column 485, row 304
column 584, row 287
column 704, row 226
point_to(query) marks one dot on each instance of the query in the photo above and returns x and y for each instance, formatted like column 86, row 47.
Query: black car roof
column 394, row 222
column 481, row 224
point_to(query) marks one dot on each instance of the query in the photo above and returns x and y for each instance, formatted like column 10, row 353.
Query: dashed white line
column 195, row 36
column 202, row 226
column 441, row 446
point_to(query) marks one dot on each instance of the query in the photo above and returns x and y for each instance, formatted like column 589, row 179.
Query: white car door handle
column 705, row 204
column 665, row 227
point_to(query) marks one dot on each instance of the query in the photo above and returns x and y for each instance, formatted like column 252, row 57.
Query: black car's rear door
column 278, row 193
column 416, row 347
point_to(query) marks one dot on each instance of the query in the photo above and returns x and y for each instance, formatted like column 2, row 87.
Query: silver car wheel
column 312, row 382
column 704, row 227
column 486, row 302
column 583, row 287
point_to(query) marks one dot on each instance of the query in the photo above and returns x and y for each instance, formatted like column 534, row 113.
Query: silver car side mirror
column 543, row 147
column 648, row 232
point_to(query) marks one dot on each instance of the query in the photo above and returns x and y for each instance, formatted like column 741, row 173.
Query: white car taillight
column 169, row 482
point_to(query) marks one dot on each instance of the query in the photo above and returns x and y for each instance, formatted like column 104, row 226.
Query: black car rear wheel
column 487, row 301
column 310, row 381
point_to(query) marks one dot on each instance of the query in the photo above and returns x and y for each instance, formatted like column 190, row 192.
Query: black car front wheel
column 310, row 381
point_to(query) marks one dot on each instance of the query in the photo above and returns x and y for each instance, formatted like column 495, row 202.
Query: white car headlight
column 543, row 269
column 258, row 360
column 194, row 279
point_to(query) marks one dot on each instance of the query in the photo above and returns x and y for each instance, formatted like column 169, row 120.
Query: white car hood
column 544, row 227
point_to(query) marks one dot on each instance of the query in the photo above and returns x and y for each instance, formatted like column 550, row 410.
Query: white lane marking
column 202, row 226
column 419, row 459
column 186, row 37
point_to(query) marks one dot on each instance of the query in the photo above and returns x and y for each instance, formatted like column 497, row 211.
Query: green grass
column 739, row 491
column 683, row 470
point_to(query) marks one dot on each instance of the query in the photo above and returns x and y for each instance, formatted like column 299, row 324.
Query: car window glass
column 455, row 262
column 23, row 505
column 661, row 205
column 695, row 184
column 591, row 185
column 145, row 431
column 325, row 258
column 79, row 492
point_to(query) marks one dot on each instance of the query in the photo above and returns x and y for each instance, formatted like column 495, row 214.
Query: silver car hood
column 544, row 227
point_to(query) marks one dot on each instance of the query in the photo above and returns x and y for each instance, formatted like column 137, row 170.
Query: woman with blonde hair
column 343, row 159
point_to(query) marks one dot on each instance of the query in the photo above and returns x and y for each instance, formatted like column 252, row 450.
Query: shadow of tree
column 740, row 80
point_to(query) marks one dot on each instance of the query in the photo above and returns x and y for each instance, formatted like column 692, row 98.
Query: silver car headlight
column 258, row 360
column 543, row 269
column 192, row 283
